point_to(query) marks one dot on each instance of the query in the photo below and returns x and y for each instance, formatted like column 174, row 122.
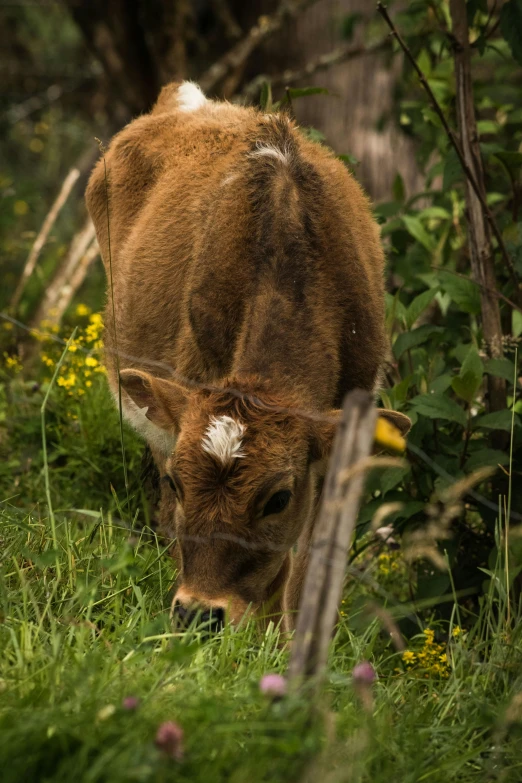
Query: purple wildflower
column 273, row 685
column 364, row 673
column 169, row 739
column 130, row 703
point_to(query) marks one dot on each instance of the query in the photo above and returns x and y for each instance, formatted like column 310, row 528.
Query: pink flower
column 169, row 739
column 273, row 685
column 130, row 703
column 364, row 673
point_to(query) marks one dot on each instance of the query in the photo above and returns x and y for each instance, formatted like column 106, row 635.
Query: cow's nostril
column 212, row 619
column 181, row 612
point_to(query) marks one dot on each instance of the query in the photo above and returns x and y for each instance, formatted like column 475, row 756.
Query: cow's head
column 239, row 488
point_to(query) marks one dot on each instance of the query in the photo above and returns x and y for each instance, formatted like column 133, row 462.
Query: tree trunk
column 479, row 237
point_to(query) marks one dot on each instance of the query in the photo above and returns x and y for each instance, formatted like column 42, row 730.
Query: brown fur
column 243, row 286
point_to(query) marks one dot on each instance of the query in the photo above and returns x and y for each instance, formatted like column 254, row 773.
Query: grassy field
column 90, row 667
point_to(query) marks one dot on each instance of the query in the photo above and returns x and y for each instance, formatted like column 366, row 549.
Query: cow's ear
column 399, row 420
column 164, row 401
column 323, row 432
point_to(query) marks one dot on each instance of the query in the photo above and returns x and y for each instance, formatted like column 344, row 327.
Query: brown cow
column 246, row 279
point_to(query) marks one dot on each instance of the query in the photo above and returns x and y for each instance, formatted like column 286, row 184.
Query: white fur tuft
column 190, row 97
column 223, row 439
column 269, row 151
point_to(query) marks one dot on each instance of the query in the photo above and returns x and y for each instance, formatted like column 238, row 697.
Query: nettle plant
column 441, row 364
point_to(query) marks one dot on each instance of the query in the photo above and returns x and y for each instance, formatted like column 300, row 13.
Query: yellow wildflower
column 73, row 347
column 96, row 319
column 457, row 631
column 12, row 363
column 8, row 326
column 429, row 636
column 67, row 382
column 90, row 361
column 82, row 309
column 408, row 657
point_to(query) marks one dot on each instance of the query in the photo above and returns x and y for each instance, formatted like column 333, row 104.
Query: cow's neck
column 280, row 343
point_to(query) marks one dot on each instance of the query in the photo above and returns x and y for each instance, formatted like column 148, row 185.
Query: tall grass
column 84, row 623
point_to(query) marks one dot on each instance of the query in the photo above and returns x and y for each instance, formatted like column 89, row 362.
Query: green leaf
column 516, row 321
column 349, row 160
column 473, row 364
column 302, row 92
column 501, row 368
column 465, row 386
column 313, row 134
column 408, row 340
column 432, row 586
column 438, row 406
column 349, row 23
column 467, row 383
column 486, row 457
column 398, row 189
column 437, row 213
column 511, row 27
column 390, row 477
column 441, row 384
column 512, row 162
column 424, row 62
column 465, row 293
column 452, row 170
column 387, row 209
column 418, row 305
column 415, row 228
column 265, row 99
column 487, row 127
column 395, row 309
column 472, row 6
column 500, row 420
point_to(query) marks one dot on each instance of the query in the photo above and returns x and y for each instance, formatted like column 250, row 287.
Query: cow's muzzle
column 210, row 620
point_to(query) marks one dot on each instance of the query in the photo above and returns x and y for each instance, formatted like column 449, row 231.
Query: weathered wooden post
column 332, row 536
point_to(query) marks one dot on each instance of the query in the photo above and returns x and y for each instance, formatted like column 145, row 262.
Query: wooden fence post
column 332, row 536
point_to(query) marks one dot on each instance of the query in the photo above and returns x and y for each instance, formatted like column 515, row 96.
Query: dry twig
column 41, row 239
column 337, row 56
column 236, row 57
column 65, row 273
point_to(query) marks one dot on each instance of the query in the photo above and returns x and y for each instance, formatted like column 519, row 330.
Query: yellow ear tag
column 388, row 436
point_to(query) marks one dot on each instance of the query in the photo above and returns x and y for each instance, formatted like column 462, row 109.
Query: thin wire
column 302, row 413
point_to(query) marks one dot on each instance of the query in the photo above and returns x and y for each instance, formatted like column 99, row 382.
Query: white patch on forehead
column 269, row 151
column 190, row 97
column 223, row 439
column 228, row 179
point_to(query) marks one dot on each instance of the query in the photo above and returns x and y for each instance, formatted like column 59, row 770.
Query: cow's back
column 229, row 259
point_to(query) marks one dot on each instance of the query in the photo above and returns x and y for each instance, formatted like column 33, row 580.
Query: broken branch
column 41, row 239
column 236, row 57
column 337, row 56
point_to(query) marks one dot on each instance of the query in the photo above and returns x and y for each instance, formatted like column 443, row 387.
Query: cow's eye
column 277, row 502
column 171, row 483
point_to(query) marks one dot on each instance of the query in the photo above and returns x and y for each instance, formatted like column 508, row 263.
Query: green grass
column 84, row 623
